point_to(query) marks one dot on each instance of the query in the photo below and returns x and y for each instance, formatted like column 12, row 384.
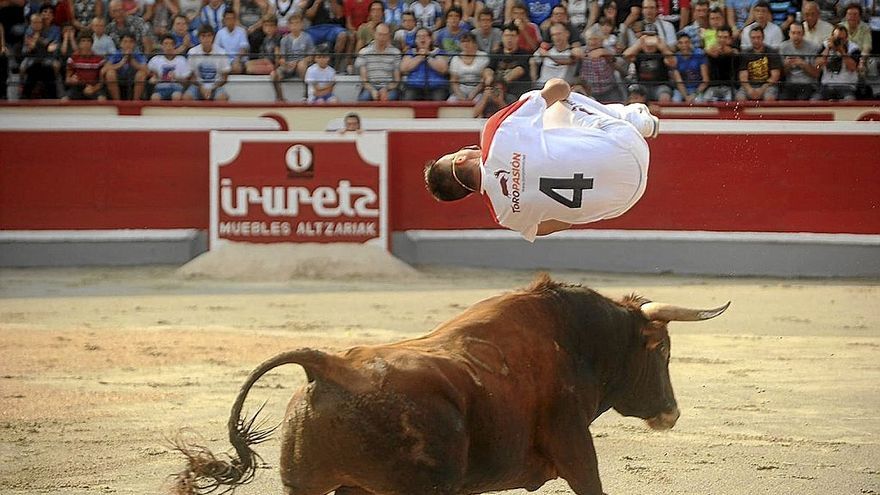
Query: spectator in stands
column 495, row 97
column 405, row 37
column 183, row 37
column 365, row 32
column 466, row 70
column 269, row 53
column 212, row 14
column 782, row 13
column 555, row 61
column 665, row 29
column 426, row 67
column 68, row 46
column 351, row 123
column 510, row 64
column 723, row 67
column 618, row 36
column 859, row 31
column 759, row 70
column 379, row 67
column 101, row 43
column 468, row 10
column 394, row 10
column 559, row 15
column 321, row 79
column 839, row 61
column 691, row 73
column 38, row 65
column 83, row 79
column 296, row 55
column 168, row 72
column 598, row 67
column 232, row 40
column 816, row 29
column 799, row 65
column 529, row 35
column 328, row 27
column 448, row 38
column 675, row 12
column 125, row 72
column 210, row 69
column 716, row 21
column 772, row 34
column 486, row 35
column 700, row 25
column 739, row 15
column 51, row 31
column 653, row 59
column 428, row 13
column 121, row 22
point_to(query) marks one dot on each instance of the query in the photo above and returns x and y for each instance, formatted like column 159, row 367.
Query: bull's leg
column 570, row 447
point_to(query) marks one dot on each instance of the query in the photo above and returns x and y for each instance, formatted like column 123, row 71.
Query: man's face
column 757, row 39
column 811, row 13
column 723, row 38
column 116, row 12
column 179, row 25
column 468, row 46
column 168, row 47
column 485, row 22
column 269, row 29
column 382, row 35
column 85, row 45
column 518, row 13
column 509, row 39
column 36, row 23
column 453, row 20
column 465, row 157
column 98, row 26
column 701, row 12
column 559, row 35
column 716, row 20
column 229, row 20
column 423, row 39
column 126, row 45
column 207, row 40
column 48, row 16
column 649, row 10
column 295, row 25
column 376, row 12
column 352, row 124
column 762, row 15
column 559, row 14
column 796, row 33
column 852, row 16
column 408, row 22
column 685, row 45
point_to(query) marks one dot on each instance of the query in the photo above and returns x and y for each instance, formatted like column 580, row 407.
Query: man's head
column 510, row 37
column 559, row 35
column 377, row 11
column 853, row 14
column 684, row 44
column 609, row 9
column 559, row 14
column 840, row 35
column 485, row 19
column 180, row 25
column 229, row 20
column 84, row 41
column 811, row 13
column 716, row 18
column 761, row 11
column 649, row 10
column 796, row 33
column 724, row 36
column 117, row 13
column 168, row 46
column 295, row 24
column 36, row 23
column 408, row 20
column 468, row 44
column 98, row 26
column 701, row 12
column 382, row 35
column 444, row 177
column 453, row 17
column 352, row 122
column 423, row 38
column 270, row 26
column 519, row 11
column 206, row 38
column 47, row 12
column 127, row 42
column 756, row 36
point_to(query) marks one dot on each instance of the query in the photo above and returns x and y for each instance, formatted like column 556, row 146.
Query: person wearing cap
column 552, row 159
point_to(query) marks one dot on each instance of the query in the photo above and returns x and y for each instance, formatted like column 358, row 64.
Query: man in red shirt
column 83, row 71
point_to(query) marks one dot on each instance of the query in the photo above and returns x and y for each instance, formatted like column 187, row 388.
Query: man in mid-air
column 550, row 160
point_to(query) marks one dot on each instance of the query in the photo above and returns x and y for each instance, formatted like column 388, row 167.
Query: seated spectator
column 468, row 10
column 723, row 67
column 168, row 72
column 529, row 36
column 351, row 124
column 772, row 36
column 125, row 72
column 510, row 64
column 269, row 52
column 379, row 67
column 495, row 97
column 598, row 68
column 68, row 45
column 183, row 37
column 716, row 21
column 51, row 31
column 102, row 44
column 498, row 8
column 555, row 61
column 448, row 38
column 405, row 37
column 691, row 74
column 210, row 69
column 859, row 31
column 328, row 27
column 365, row 32
column 653, row 60
column 486, row 35
column 559, row 15
column 665, row 29
column 428, row 13
column 83, row 79
column 212, row 14
column 799, row 65
column 425, row 67
column 321, row 79
column 816, row 29
column 121, row 22
column 232, row 40
column 39, row 67
column 296, row 51
column 618, row 35
column 759, row 69
column 466, row 71
column 839, row 61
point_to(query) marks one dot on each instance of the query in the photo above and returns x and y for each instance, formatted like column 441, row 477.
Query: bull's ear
column 654, row 332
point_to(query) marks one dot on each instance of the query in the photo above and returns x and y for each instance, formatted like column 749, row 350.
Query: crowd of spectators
column 487, row 52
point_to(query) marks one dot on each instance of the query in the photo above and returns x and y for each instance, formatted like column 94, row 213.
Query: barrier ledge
column 619, row 251
column 79, row 123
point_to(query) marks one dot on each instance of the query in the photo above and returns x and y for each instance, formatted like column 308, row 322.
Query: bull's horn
column 668, row 312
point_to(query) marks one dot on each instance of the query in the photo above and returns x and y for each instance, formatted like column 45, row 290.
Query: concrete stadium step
column 248, row 88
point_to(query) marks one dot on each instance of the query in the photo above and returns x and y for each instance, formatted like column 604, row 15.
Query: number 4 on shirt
column 576, row 185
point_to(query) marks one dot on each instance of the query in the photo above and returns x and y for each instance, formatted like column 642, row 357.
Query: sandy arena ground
column 781, row 395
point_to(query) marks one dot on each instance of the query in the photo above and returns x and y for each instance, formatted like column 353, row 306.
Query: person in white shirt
column 232, row 39
column 552, row 159
column 210, row 68
column 168, row 72
column 320, row 80
column 773, row 36
column 816, row 29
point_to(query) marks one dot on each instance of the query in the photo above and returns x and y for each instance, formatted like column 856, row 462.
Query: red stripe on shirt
column 494, row 123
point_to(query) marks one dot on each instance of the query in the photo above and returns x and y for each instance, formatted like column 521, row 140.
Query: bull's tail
column 205, row 472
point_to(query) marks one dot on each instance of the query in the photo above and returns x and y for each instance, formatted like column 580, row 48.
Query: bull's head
column 648, row 393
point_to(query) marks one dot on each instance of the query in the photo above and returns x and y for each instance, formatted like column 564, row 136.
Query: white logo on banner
column 299, row 158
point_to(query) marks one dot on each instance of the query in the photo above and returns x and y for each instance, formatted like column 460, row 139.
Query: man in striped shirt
column 83, row 71
column 379, row 67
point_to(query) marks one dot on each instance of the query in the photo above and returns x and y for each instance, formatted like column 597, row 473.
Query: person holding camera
column 653, row 60
column 839, row 63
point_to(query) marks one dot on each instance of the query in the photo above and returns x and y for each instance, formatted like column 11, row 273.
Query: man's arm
column 551, row 226
column 555, row 90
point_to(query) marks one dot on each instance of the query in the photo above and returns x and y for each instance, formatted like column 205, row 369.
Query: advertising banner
column 298, row 187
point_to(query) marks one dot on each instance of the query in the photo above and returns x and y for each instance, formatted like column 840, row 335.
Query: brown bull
column 499, row 397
